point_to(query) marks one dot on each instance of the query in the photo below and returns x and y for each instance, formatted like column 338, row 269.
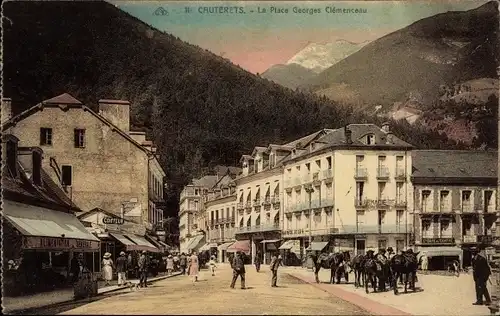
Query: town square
column 250, row 158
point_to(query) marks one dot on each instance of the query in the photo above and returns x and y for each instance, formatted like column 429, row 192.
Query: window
column 444, row 204
column 426, row 229
column 360, row 186
column 382, row 243
column 66, row 175
column 466, row 200
column 360, row 219
column 426, row 204
column 446, row 229
column 381, row 191
column 289, row 221
column 400, row 217
column 46, row 136
column 79, row 138
column 233, row 212
column 489, row 201
column 381, row 217
column 318, row 164
column 329, row 162
column 308, row 167
column 359, row 161
column 217, row 215
column 400, row 198
column 381, row 161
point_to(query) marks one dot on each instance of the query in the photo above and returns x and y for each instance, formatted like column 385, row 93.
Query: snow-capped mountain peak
column 318, row 57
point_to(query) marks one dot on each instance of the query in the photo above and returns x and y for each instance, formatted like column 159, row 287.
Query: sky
column 256, row 40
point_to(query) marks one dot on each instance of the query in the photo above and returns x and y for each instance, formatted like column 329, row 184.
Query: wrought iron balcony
column 240, row 206
column 248, row 205
column 400, row 174
column 467, row 207
column 275, row 199
column 361, row 203
column 267, row 200
column 400, row 203
column 327, row 202
column 256, row 202
column 383, row 203
column 327, row 174
column 257, row 228
column 383, row 173
column 361, row 174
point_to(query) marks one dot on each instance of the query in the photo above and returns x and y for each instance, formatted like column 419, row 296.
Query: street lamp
column 310, row 190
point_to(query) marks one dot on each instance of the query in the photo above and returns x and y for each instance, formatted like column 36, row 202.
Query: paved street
column 212, row 295
column 436, row 295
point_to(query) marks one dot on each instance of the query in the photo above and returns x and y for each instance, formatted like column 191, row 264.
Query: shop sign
column 359, row 236
column 438, row 240
column 113, row 220
column 160, row 233
column 470, row 239
column 59, row 243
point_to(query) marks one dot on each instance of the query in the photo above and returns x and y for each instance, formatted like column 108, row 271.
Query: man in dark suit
column 238, row 270
column 275, row 263
column 481, row 273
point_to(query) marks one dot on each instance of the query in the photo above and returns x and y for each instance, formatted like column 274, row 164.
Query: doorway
column 360, row 246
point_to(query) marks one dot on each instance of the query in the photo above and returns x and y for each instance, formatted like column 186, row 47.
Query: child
column 212, row 265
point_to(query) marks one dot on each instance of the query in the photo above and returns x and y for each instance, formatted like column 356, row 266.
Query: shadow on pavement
column 62, row 307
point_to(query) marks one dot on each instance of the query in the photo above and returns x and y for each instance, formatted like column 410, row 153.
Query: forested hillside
column 199, row 108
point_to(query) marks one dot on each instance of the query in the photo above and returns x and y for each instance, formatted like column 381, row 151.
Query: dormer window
column 370, row 139
column 37, row 168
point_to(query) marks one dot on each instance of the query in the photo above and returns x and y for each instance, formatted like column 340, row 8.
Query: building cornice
column 221, row 200
column 454, row 181
column 259, row 176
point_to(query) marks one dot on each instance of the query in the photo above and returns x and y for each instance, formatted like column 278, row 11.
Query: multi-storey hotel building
column 348, row 189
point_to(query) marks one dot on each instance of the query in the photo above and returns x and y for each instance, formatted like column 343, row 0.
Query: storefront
column 195, row 243
column 42, row 243
column 269, row 248
column 222, row 251
column 291, row 252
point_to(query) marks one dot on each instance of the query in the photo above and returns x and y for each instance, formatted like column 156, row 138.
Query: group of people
column 238, row 266
column 122, row 266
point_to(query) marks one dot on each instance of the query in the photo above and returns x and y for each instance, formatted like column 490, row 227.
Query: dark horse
column 370, row 271
column 335, row 262
column 406, row 265
column 357, row 264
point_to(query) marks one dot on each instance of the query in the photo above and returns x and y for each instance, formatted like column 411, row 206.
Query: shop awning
column 142, row 243
column 167, row 247
column 240, row 245
column 195, row 243
column 317, row 245
column 45, row 229
column 129, row 245
column 439, row 251
column 225, row 245
column 157, row 244
column 287, row 245
column 207, row 246
column 269, row 241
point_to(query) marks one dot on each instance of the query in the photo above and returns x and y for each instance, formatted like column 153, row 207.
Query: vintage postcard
column 250, row 157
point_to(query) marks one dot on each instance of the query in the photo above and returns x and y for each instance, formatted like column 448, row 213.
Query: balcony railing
column 399, row 203
column 327, row 174
column 445, row 207
column 292, row 182
column 188, row 193
column 257, row 228
column 353, row 229
column 240, row 206
column 361, row 173
column 267, row 200
column 469, row 238
column 400, row 174
column 361, row 203
column 383, row 203
column 382, row 173
column 248, row 204
column 256, row 202
column 327, row 202
column 275, row 199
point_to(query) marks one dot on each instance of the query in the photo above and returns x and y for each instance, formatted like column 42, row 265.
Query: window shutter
column 66, row 175
column 76, row 140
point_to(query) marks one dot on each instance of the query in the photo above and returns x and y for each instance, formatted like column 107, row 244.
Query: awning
column 142, row 244
column 225, row 245
column 317, row 245
column 47, row 229
column 157, row 244
column 240, row 245
column 205, row 247
column 440, row 251
column 268, row 241
column 167, row 247
column 287, row 245
column 194, row 243
column 129, row 245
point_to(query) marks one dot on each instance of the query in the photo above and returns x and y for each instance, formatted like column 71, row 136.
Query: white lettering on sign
column 59, row 243
column 113, row 220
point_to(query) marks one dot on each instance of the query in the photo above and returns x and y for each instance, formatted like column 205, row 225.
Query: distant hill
column 199, row 108
column 290, row 75
column 444, row 49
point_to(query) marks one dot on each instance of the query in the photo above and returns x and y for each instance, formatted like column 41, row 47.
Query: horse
column 406, row 265
column 357, row 263
column 332, row 261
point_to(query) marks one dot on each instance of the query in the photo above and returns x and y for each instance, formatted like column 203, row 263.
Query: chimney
column 31, row 160
column 348, row 135
column 386, row 127
column 10, row 151
column 117, row 112
column 6, row 109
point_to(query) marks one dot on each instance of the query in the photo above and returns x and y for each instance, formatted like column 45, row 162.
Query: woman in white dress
column 107, row 268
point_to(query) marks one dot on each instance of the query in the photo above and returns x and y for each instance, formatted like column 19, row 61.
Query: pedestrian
column 170, row 264
column 257, row 261
column 130, row 265
column 424, row 263
column 121, row 268
column 143, row 269
column 183, row 263
column 194, row 266
column 107, row 268
column 176, row 262
column 238, row 270
column 74, row 269
column 481, row 272
column 212, row 265
column 275, row 263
